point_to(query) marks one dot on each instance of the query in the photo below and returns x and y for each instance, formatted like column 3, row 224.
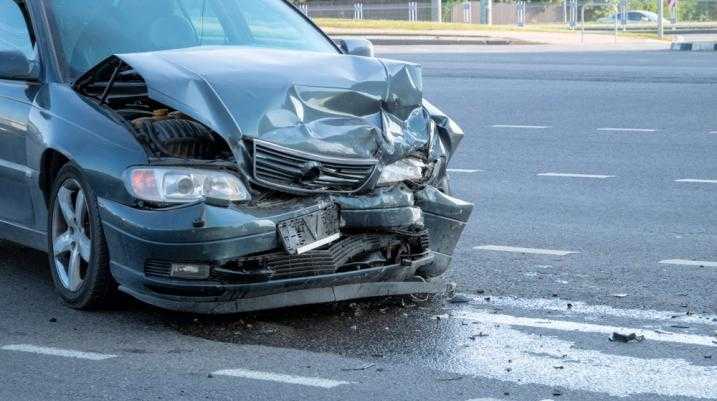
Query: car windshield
column 88, row 31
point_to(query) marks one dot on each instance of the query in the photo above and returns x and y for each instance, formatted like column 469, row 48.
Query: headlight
column 408, row 169
column 180, row 185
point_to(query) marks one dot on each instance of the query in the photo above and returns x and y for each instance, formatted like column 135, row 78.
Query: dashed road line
column 579, row 308
column 281, row 378
column 574, row 175
column 464, row 170
column 627, row 129
column 687, row 262
column 571, row 326
column 56, row 352
column 536, row 251
column 521, row 126
column 697, row 180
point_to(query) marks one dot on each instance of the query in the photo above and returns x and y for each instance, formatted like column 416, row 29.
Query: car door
column 16, row 98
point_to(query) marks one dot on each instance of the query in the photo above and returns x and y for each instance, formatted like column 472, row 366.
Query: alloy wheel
column 71, row 235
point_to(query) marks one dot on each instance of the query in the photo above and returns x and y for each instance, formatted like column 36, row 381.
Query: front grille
column 349, row 253
column 283, row 168
column 352, row 252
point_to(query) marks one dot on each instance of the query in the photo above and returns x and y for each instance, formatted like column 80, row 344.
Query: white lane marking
column 281, row 378
column 627, row 129
column 573, row 175
column 537, row 251
column 497, row 399
column 464, row 170
column 485, row 399
column 699, row 181
column 713, row 132
column 685, row 262
column 592, row 312
column 521, row 126
column 566, row 325
column 565, row 360
column 67, row 353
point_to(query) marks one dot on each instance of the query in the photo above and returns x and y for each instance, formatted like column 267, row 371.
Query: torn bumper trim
column 365, row 283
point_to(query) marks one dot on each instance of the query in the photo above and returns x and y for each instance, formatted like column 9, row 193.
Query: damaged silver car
column 219, row 156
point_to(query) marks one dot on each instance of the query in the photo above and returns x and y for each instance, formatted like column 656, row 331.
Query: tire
column 77, row 250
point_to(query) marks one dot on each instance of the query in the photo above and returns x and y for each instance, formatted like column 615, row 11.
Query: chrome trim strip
column 17, row 167
column 319, row 243
column 370, row 179
column 312, row 156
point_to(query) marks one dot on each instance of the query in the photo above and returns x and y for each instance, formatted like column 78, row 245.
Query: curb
column 405, row 40
column 438, row 41
column 694, row 46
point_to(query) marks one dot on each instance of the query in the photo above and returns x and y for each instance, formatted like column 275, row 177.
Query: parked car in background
column 218, row 156
column 633, row 17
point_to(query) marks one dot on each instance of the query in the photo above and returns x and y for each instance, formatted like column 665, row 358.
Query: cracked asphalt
column 594, row 176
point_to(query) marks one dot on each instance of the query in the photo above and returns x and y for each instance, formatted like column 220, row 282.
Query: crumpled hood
column 331, row 104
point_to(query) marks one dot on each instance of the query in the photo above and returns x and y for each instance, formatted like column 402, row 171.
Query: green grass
column 390, row 25
column 429, row 26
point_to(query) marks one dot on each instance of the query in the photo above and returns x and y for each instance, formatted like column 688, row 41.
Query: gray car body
column 334, row 106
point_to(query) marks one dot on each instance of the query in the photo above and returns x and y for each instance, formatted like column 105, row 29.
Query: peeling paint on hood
column 330, row 104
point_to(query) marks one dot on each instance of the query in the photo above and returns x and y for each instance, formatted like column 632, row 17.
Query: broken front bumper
column 237, row 241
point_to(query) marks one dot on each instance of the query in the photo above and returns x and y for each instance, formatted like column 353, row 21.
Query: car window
column 632, row 16
column 208, row 27
column 87, row 31
column 14, row 33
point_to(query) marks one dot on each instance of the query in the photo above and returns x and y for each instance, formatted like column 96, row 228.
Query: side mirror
column 15, row 65
column 356, row 46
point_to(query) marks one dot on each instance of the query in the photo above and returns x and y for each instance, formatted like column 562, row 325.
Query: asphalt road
column 584, row 226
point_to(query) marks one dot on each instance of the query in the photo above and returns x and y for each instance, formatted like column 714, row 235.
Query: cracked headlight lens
column 408, row 169
column 181, row 185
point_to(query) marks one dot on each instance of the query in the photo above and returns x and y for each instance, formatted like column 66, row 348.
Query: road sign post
column 660, row 18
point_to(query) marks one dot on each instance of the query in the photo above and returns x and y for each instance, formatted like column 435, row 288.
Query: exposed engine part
column 177, row 137
column 163, row 132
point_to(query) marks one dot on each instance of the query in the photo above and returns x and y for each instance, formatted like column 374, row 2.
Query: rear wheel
column 77, row 249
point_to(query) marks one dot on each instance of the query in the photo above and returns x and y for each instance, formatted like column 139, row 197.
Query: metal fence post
column 437, row 10
column 412, row 11
column 486, row 12
column 520, row 7
column 565, row 12
column 573, row 14
column 623, row 14
column 673, row 13
column 358, row 11
column 660, row 16
column 467, row 12
column 304, row 9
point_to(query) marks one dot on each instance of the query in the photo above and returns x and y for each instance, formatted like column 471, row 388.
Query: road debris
column 362, row 367
column 619, row 295
column 626, row 338
column 440, row 317
column 449, row 379
column 679, row 326
column 459, row 299
column 479, row 335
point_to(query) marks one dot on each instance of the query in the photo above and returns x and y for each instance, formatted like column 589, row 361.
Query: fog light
column 189, row 271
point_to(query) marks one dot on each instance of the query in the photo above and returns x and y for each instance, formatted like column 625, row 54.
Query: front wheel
column 77, row 248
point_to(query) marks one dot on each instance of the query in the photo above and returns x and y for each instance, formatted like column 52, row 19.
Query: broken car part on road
column 229, row 178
